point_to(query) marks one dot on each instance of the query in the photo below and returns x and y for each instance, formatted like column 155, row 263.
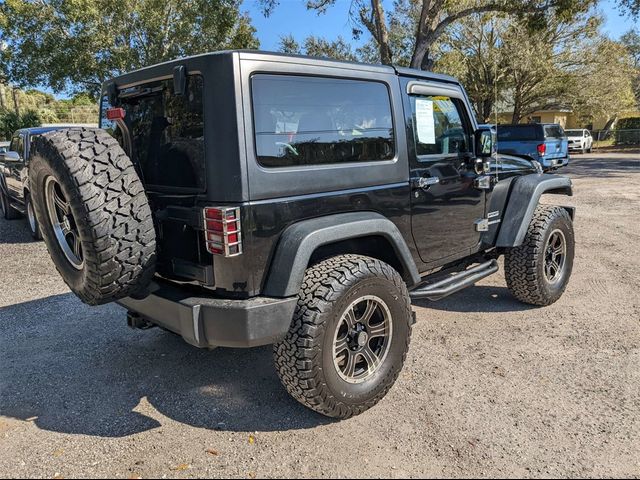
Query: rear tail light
column 115, row 113
column 222, row 232
column 542, row 149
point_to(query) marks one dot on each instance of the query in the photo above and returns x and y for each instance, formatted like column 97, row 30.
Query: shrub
column 10, row 121
column 631, row 123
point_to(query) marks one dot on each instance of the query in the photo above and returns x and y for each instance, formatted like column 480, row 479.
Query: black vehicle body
column 14, row 165
column 425, row 214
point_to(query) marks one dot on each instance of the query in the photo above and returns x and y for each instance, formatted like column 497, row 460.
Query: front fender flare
column 300, row 240
column 523, row 200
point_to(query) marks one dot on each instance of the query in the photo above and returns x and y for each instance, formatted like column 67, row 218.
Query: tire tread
column 298, row 357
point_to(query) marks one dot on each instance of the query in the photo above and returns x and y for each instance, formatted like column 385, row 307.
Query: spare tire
column 93, row 213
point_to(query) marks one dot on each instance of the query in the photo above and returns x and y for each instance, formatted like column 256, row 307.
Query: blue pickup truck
column 544, row 142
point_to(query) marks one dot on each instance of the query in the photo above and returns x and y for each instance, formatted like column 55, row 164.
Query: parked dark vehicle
column 245, row 198
column 544, row 142
column 15, row 198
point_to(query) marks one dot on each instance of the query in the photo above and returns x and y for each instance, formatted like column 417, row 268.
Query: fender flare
column 523, row 200
column 300, row 240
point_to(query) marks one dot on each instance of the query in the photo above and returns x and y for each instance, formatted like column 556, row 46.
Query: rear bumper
column 555, row 162
column 207, row 322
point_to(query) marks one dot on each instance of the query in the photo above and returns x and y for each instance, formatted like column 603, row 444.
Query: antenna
column 495, row 106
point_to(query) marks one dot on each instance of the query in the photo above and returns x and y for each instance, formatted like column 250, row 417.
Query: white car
column 580, row 139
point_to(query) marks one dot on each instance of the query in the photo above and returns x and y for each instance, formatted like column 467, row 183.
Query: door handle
column 424, row 182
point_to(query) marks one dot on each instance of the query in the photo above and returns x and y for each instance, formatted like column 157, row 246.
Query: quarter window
column 438, row 126
column 313, row 121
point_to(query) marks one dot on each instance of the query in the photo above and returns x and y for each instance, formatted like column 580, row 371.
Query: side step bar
column 455, row 283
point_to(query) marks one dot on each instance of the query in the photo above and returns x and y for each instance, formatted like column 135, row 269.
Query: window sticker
column 425, row 124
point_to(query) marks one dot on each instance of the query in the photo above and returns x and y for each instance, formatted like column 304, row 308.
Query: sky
column 291, row 17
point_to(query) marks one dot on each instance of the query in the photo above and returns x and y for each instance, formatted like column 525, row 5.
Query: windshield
column 573, row 133
column 167, row 133
column 517, row 132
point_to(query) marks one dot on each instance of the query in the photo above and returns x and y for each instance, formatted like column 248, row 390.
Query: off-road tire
column 8, row 212
column 304, row 359
column 34, row 225
column 524, row 265
column 109, row 208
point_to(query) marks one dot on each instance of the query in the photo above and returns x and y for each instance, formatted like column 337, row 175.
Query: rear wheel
column 349, row 337
column 538, row 271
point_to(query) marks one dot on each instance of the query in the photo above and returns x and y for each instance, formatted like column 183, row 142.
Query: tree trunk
column 419, row 52
column 15, row 101
column 3, row 99
column 427, row 62
column 487, row 110
column 382, row 32
column 517, row 116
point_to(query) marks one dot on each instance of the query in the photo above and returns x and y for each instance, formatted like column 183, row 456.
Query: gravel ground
column 491, row 387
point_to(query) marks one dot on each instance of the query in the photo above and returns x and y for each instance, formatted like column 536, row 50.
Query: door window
column 17, row 144
column 438, row 126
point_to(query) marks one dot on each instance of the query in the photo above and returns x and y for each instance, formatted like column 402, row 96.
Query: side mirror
column 10, row 157
column 486, row 142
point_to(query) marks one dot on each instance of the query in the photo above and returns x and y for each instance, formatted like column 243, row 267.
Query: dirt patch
column 491, row 387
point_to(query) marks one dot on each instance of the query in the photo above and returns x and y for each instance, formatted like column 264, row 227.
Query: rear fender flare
column 299, row 241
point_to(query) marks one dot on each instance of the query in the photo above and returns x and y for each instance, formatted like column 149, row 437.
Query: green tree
column 78, row 44
column 313, row 46
column 432, row 18
column 603, row 85
column 630, row 7
column 567, row 64
column 631, row 42
column 473, row 51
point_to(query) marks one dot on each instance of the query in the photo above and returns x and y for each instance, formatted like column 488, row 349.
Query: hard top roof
column 299, row 59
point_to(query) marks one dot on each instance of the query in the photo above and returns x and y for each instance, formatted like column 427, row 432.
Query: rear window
column 313, row 120
column 553, row 131
column 167, row 133
column 518, row 132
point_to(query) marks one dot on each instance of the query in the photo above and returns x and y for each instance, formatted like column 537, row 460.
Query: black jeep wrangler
column 245, row 198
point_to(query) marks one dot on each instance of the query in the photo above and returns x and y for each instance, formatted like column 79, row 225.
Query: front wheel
column 538, row 271
column 349, row 337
